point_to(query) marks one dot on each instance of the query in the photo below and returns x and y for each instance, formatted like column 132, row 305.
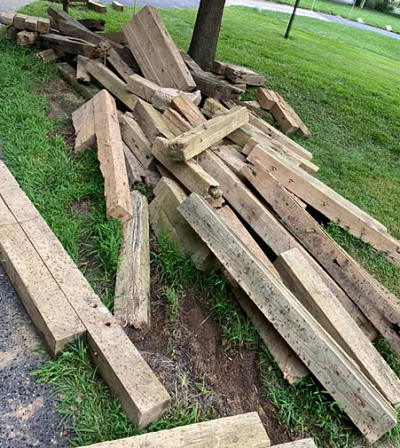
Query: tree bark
column 65, row 5
column 206, row 32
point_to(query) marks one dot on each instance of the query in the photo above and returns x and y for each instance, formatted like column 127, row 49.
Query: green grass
column 370, row 17
column 344, row 84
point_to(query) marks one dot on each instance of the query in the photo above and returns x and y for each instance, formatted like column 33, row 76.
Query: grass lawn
column 343, row 83
column 370, row 17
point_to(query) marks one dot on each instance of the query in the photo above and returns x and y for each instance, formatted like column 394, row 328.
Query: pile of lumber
column 235, row 193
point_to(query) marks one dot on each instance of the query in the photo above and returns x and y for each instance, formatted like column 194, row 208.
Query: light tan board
column 111, row 157
column 26, row 38
column 267, row 98
column 7, row 18
column 185, row 106
column 83, row 121
column 241, row 431
column 136, row 140
column 175, row 122
column 195, row 141
column 19, row 21
column 190, row 173
column 231, row 157
column 142, row 87
column 155, row 51
column 305, row 443
column 310, row 290
column 328, row 202
column 117, row 6
column 31, row 23
column 50, row 55
column 269, row 229
column 82, row 75
column 119, row 65
column 239, row 75
column 132, row 288
column 365, row 406
column 97, row 6
column 151, row 121
column 109, row 80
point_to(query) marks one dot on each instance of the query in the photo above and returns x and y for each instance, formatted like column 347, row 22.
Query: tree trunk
column 65, row 5
column 206, row 32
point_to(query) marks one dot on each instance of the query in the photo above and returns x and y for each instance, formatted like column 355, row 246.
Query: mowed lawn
column 343, row 83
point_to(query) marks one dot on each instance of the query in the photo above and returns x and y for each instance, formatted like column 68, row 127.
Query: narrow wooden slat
column 175, row 122
column 142, row 87
column 185, row 106
column 119, row 65
column 82, row 74
column 365, row 406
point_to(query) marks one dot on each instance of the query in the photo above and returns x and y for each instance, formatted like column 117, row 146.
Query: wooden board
column 50, row 55
column 85, row 131
column 19, row 21
column 26, row 38
column 155, row 51
column 364, row 405
column 134, row 168
column 142, row 87
column 97, row 6
column 111, row 157
column 196, row 140
column 68, row 44
column 214, row 88
column 31, row 23
column 119, row 65
column 53, row 317
column 117, row 6
column 7, row 18
column 93, row 24
column 112, row 83
column 311, row 291
column 269, row 229
column 134, row 137
column 328, row 202
column 231, row 157
column 243, row 75
column 11, row 33
column 267, row 98
column 170, row 195
column 189, row 173
column 255, row 107
column 304, row 443
column 175, row 122
column 381, row 307
column 132, row 287
column 151, row 121
column 43, row 25
column 185, row 106
column 82, row 75
column 69, row 74
column 241, row 431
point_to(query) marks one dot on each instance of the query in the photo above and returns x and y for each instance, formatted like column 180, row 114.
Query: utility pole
column 287, row 34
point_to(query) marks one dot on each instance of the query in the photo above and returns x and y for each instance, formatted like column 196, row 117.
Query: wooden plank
column 93, row 24
column 82, row 75
column 151, row 121
column 19, row 21
column 155, row 51
column 134, row 137
column 308, row 287
column 240, row 431
column 196, row 140
column 117, row 6
column 269, row 229
column 380, row 306
column 119, row 65
column 7, row 18
column 55, row 320
column 31, row 23
column 175, row 122
column 142, row 87
column 11, row 33
column 267, row 98
column 170, row 195
column 27, row 38
column 231, row 157
column 68, row 44
column 142, row 396
column 364, row 405
column 185, row 106
column 304, row 443
column 134, row 168
column 219, row 68
column 214, row 88
column 50, row 55
column 132, row 287
column 112, row 83
column 111, row 157
column 160, row 223
column 328, row 202
column 190, row 173
column 255, row 107
column 69, row 74
column 43, row 25
column 239, row 75
column 83, row 121
column 97, row 6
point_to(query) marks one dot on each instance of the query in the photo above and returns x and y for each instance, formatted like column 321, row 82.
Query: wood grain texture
column 111, row 157
column 132, row 287
column 241, row 431
column 175, row 122
column 329, row 203
column 365, row 406
column 119, row 65
column 142, row 87
column 155, row 51
column 311, row 291
column 82, row 75
column 304, row 443
column 269, row 229
column 185, row 106
column 69, row 74
column 68, row 44
column 239, row 75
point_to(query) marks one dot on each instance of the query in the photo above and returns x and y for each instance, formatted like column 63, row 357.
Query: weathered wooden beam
column 240, row 431
column 142, row 87
column 7, row 18
column 93, row 24
column 97, row 6
column 43, row 25
column 11, row 33
column 231, row 157
column 68, row 44
column 379, row 306
column 111, row 157
column 304, row 443
column 119, row 65
column 134, row 137
column 254, row 106
column 85, row 131
column 50, row 55
column 365, row 406
column 189, row 173
column 117, row 6
column 111, row 82
column 69, row 74
column 269, row 229
column 155, row 51
column 243, row 75
column 311, row 291
column 27, row 38
column 19, row 21
column 198, row 139
column 185, row 106
column 151, row 121
column 132, row 287
column 82, row 75
column 328, row 202
column 267, row 98
column 213, row 88
column 175, row 122
column 31, row 23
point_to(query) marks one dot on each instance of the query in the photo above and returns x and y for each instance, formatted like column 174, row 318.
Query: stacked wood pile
column 235, row 193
